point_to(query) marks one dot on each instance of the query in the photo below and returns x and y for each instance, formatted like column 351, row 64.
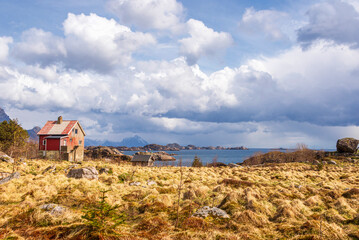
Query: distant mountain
column 33, row 133
column 135, row 141
column 3, row 116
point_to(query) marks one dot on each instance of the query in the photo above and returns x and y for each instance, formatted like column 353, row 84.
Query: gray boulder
column 4, row 175
column 206, row 211
column 151, row 183
column 54, row 209
column 71, row 167
column 9, row 178
column 5, row 158
column 347, row 145
column 50, row 169
column 135, row 184
column 86, row 172
column 332, row 162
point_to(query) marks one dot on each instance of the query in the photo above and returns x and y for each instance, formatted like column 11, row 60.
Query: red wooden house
column 62, row 139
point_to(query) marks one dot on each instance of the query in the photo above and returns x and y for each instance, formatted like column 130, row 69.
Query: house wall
column 63, row 140
column 41, row 141
column 49, row 154
column 53, row 144
column 76, row 139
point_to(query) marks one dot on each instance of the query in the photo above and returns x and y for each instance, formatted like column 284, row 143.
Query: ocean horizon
column 209, row 156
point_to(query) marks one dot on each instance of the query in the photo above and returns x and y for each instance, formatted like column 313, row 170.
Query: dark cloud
column 333, row 20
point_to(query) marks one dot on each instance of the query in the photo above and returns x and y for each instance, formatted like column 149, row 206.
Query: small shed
column 142, row 160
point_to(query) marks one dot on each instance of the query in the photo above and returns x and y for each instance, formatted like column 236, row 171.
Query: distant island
column 176, row 147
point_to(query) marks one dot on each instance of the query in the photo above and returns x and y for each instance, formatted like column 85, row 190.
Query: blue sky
column 254, row 73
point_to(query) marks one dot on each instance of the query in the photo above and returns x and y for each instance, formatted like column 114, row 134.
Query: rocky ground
column 270, row 201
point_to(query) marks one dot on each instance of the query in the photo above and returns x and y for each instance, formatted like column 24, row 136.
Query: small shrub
column 123, row 177
column 197, row 162
column 102, row 218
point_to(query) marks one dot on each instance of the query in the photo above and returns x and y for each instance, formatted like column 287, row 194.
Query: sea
column 209, row 156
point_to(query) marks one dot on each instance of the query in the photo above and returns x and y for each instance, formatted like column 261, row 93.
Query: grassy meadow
column 277, row 201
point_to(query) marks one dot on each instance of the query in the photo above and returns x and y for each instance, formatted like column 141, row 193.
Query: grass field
column 279, row 201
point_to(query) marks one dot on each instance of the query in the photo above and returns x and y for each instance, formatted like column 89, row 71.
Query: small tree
column 102, row 218
column 197, row 162
column 12, row 137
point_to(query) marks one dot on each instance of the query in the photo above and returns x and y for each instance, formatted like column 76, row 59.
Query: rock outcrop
column 101, row 152
column 53, row 209
column 9, row 178
column 50, row 169
column 4, row 175
column 5, row 158
column 214, row 212
column 233, row 165
column 158, row 156
column 347, row 145
column 305, row 155
column 86, row 172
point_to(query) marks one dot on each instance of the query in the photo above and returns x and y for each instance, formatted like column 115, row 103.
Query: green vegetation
column 12, row 137
column 103, row 218
column 197, row 162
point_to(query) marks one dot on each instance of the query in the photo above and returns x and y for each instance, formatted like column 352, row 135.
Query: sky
column 256, row 73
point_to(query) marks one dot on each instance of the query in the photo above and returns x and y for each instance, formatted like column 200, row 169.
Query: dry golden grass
column 279, row 201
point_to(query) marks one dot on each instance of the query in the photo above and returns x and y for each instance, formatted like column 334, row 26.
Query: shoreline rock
column 347, row 145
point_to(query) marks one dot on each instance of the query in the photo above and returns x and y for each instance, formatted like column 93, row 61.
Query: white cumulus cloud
column 203, row 41
column 90, row 42
column 4, row 48
column 148, row 14
column 271, row 23
column 38, row 46
column 100, row 43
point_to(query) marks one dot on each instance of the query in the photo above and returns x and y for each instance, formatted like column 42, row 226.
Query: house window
column 44, row 142
column 70, row 139
column 80, row 142
column 75, row 131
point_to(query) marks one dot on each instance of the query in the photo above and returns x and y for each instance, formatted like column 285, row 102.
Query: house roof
column 141, row 158
column 64, row 128
column 55, row 137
